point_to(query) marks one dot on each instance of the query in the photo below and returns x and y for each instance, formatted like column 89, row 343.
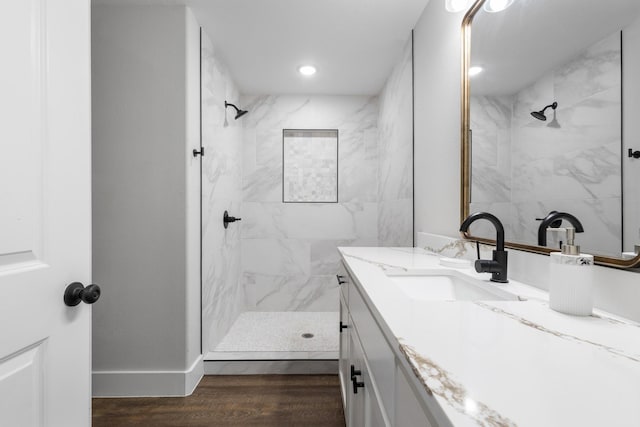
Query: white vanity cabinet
column 375, row 388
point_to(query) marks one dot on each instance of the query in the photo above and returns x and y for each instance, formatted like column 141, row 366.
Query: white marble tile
column 276, row 257
column 319, row 221
column 290, row 293
column 358, row 167
column 395, row 153
column 594, row 70
column 396, row 222
column 325, row 259
column 221, row 190
column 262, row 220
column 263, row 184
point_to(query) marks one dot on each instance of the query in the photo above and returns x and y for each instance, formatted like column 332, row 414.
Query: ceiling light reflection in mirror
column 455, row 6
column 493, row 6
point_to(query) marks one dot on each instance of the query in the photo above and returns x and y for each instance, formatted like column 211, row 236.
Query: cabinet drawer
column 365, row 408
column 376, row 350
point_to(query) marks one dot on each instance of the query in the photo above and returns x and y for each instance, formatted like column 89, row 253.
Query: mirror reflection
column 554, row 106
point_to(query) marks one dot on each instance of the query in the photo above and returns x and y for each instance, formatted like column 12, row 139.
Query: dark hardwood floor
column 248, row 400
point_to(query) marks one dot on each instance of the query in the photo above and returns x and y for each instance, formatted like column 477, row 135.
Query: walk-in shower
column 307, row 174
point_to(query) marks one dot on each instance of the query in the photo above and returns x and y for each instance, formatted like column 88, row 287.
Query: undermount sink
column 447, row 285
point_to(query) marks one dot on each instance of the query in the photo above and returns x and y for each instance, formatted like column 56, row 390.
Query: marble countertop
column 505, row 363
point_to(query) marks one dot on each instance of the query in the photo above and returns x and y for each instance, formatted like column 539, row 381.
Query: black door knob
column 76, row 292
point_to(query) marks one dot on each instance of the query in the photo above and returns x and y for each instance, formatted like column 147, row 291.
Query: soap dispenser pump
column 571, row 279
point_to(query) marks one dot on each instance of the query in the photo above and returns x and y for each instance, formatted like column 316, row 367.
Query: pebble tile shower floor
column 282, row 332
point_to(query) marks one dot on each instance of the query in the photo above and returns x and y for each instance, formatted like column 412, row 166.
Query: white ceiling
column 353, row 43
column 516, row 47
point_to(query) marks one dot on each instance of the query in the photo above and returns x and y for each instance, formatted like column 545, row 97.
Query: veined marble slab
column 507, row 363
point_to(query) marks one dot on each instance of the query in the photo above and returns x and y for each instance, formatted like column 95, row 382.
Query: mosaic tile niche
column 310, row 166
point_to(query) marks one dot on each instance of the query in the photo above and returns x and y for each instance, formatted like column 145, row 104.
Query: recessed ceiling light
column 456, row 6
column 474, row 71
column 307, row 70
column 497, row 5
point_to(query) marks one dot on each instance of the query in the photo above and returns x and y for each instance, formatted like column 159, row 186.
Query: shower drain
column 307, row 335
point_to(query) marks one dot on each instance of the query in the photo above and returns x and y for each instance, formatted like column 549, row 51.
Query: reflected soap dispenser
column 571, row 278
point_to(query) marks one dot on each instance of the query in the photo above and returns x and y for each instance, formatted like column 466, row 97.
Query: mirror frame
column 465, row 156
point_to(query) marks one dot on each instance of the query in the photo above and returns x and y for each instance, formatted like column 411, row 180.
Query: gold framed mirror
column 542, row 60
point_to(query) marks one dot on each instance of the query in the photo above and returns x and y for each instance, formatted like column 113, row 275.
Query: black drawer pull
column 355, row 372
column 343, row 326
column 356, row 385
column 341, row 280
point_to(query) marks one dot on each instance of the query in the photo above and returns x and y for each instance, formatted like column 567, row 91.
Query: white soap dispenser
column 571, row 278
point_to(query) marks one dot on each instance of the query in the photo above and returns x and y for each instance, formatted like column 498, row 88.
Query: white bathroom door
column 45, row 212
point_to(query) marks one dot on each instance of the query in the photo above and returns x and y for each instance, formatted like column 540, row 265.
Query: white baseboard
column 270, row 367
column 148, row 383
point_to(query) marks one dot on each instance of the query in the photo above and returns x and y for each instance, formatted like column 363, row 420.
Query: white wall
column 437, row 55
column 145, row 252
column 437, row 120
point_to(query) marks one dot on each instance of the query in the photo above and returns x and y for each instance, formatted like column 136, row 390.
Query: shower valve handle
column 226, row 219
column 634, row 154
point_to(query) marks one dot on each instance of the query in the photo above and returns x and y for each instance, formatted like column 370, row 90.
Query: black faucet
column 498, row 265
column 549, row 220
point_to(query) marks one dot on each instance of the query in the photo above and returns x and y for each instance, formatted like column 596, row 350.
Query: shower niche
column 309, row 166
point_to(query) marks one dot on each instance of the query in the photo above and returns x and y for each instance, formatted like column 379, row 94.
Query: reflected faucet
column 549, row 220
column 498, row 265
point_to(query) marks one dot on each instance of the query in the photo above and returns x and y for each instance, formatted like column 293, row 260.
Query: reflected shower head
column 540, row 114
column 239, row 112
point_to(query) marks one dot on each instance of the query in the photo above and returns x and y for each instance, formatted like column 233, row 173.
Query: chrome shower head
column 239, row 112
column 540, row 114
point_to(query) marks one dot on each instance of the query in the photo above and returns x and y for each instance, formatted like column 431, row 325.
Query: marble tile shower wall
column 395, row 173
column 222, row 298
column 289, row 257
column 523, row 168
